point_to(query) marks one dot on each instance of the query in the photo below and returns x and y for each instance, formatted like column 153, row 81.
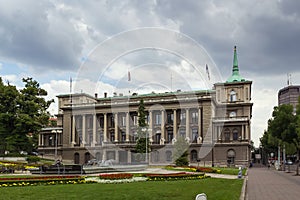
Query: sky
column 98, row 43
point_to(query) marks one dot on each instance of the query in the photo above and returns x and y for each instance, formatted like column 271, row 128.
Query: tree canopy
column 283, row 129
column 22, row 115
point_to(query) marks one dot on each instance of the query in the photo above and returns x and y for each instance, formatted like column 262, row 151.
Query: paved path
column 264, row 183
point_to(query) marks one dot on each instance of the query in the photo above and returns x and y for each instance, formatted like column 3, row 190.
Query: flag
column 207, row 72
column 129, row 78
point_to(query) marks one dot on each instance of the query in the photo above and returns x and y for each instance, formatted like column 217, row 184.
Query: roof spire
column 235, row 70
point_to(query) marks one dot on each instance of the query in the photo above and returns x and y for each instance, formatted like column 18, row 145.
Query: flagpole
column 128, row 79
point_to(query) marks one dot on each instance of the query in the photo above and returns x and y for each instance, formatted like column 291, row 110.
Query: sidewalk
column 264, row 183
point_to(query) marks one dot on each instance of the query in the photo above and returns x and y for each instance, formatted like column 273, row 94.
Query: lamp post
column 56, row 141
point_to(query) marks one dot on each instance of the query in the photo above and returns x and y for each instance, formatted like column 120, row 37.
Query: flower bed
column 207, row 170
column 116, row 176
column 194, row 169
column 41, row 180
column 175, row 176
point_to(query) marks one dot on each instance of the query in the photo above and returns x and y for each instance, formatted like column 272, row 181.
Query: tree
column 283, row 124
column 8, row 115
column 283, row 128
column 296, row 140
column 180, row 156
column 22, row 115
column 142, row 143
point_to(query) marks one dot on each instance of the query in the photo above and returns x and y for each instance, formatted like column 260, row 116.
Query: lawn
column 183, row 189
column 230, row 171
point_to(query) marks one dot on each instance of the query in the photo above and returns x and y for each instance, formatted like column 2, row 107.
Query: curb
column 244, row 195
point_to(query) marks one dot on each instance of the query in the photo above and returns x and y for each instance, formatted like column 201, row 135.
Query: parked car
column 288, row 162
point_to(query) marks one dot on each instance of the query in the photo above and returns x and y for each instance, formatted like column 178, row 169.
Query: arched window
column 194, row 156
column 232, row 96
column 227, row 134
column 235, row 134
column 232, row 114
column 168, row 156
column 87, row 157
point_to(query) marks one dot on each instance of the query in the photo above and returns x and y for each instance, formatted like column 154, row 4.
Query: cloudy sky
column 52, row 41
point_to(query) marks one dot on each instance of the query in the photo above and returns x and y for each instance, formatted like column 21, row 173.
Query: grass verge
column 182, row 189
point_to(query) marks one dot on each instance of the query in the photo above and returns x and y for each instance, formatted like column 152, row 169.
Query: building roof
column 235, row 77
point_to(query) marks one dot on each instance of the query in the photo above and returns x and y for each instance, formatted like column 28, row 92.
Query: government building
column 215, row 123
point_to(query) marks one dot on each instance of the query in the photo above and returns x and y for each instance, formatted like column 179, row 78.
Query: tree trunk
column 297, row 169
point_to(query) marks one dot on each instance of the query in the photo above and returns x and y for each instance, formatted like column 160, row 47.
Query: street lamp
column 145, row 130
column 56, row 140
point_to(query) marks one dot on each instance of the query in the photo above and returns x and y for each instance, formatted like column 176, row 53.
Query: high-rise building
column 289, row 95
column 215, row 124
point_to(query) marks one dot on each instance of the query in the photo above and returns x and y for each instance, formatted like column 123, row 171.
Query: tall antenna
column 289, row 79
column 171, row 81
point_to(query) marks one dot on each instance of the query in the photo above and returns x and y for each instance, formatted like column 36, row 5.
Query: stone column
column 73, row 129
column 116, row 127
column 105, row 128
column 243, row 133
column 162, row 125
column 104, row 157
column 94, row 129
column 248, row 132
column 83, row 130
column 117, row 156
column 43, row 140
column 174, row 123
column 128, row 156
column 150, row 125
column 199, row 124
column 187, row 123
column 40, row 139
column 127, row 126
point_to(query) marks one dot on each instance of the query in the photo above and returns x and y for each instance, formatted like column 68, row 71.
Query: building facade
column 289, row 95
column 215, row 124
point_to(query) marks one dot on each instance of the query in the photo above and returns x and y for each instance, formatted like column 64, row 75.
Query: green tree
column 142, row 144
column 296, row 139
column 22, row 114
column 180, row 156
column 283, row 124
column 283, row 128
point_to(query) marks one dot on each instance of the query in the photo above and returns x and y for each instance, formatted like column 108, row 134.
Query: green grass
column 214, row 189
column 230, row 171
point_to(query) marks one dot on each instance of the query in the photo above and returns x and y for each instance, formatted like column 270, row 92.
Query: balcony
column 230, row 119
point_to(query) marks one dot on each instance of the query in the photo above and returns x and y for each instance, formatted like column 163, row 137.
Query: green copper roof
column 235, row 77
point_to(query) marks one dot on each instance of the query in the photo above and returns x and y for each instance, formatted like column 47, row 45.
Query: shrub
column 33, row 159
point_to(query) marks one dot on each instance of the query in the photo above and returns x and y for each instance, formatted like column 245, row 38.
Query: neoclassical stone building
column 215, row 123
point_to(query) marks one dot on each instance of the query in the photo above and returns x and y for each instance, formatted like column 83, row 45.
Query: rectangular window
column 157, row 138
column 170, row 135
column 112, row 121
column 182, row 133
column 194, row 135
column 182, row 117
column 135, row 120
column 101, row 121
column 170, row 118
column 123, row 121
column 194, row 117
column 123, row 136
column 112, row 136
column 158, row 119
